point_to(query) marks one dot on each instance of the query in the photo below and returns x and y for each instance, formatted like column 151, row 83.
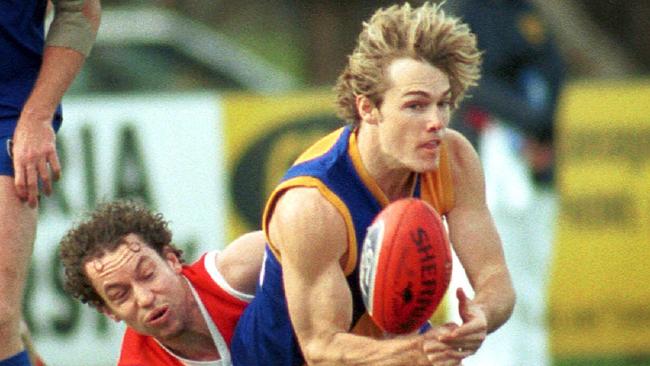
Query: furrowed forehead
column 118, row 265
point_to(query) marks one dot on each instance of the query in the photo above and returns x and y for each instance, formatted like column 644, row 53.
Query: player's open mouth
column 158, row 315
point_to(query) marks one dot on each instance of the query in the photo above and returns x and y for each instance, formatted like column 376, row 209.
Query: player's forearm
column 69, row 40
column 321, row 318
column 348, row 349
column 59, row 68
column 497, row 298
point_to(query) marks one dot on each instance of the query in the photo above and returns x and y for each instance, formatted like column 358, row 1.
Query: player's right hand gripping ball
column 405, row 265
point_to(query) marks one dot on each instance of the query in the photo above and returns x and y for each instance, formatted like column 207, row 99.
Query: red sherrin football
column 405, row 265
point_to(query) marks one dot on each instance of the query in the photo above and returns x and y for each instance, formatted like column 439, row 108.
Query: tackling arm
column 240, row 262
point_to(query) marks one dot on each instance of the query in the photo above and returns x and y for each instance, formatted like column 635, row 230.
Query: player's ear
column 367, row 109
column 171, row 257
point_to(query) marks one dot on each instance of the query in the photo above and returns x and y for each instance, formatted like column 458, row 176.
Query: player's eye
column 444, row 103
column 147, row 275
column 416, row 106
column 147, row 271
column 118, row 296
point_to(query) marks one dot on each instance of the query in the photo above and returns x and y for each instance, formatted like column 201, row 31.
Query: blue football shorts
column 6, row 133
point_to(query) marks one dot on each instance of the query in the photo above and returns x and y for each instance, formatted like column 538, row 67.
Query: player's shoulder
column 306, row 203
column 305, row 215
column 458, row 145
column 462, row 155
column 466, row 170
column 322, row 146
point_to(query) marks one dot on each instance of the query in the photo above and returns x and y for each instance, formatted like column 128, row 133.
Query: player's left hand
column 34, row 157
column 440, row 353
column 466, row 339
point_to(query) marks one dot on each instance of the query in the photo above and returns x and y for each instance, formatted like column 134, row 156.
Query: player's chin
column 425, row 164
column 167, row 331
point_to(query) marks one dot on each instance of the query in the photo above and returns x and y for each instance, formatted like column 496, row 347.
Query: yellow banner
column 264, row 135
column 599, row 295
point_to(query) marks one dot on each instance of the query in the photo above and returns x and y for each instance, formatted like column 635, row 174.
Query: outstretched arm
column 312, row 238
column 476, row 241
column 70, row 38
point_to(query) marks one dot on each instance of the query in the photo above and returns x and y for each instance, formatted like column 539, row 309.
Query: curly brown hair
column 102, row 232
column 423, row 33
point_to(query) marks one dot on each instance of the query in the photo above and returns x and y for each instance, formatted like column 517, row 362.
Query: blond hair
column 423, row 33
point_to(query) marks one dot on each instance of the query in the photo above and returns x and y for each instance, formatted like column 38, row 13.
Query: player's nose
column 435, row 121
column 143, row 296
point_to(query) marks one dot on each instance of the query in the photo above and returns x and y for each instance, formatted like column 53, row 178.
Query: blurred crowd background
column 309, row 40
column 198, row 106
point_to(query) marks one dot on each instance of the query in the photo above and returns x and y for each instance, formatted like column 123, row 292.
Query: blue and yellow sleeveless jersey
column 21, row 52
column 264, row 335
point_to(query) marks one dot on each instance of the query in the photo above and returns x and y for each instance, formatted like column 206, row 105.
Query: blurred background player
column 511, row 118
column 33, row 78
column 122, row 262
column 408, row 70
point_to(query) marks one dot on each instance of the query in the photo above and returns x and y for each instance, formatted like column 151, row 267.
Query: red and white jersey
column 223, row 304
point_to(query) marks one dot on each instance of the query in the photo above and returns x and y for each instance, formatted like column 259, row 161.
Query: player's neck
column 394, row 181
column 195, row 342
column 194, row 347
column 397, row 188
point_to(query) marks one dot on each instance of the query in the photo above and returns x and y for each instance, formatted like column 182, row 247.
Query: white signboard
column 165, row 149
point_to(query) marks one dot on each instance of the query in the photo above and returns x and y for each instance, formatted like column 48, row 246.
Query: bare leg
column 17, row 233
column 26, row 336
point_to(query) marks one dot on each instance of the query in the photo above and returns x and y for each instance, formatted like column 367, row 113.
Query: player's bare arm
column 70, row 38
column 477, row 244
column 311, row 236
column 240, row 262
